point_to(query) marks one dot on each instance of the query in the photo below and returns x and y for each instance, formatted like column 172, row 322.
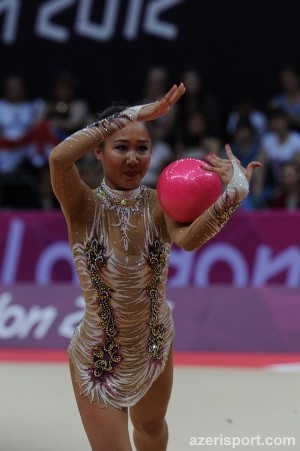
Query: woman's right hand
column 151, row 111
column 223, row 167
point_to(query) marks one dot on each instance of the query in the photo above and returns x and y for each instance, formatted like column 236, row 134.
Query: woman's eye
column 143, row 149
column 121, row 147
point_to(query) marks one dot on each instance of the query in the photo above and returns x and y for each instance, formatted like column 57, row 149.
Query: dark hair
column 245, row 123
column 277, row 112
column 291, row 68
column 117, row 107
column 114, row 108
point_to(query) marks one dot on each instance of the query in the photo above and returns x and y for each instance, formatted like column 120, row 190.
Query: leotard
column 121, row 245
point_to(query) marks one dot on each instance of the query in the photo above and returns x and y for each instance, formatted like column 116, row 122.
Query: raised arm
column 237, row 178
column 71, row 192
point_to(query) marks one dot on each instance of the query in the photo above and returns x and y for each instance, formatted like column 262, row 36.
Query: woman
column 121, row 352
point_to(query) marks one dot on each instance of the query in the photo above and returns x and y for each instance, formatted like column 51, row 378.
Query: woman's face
column 126, row 156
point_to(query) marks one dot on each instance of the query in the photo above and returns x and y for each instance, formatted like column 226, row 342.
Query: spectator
column 66, row 110
column 22, row 136
column 156, row 83
column 193, row 130
column 246, row 147
column 245, row 143
column 287, row 193
column 278, row 145
column 289, row 98
column 18, row 114
column 244, row 109
column 199, row 99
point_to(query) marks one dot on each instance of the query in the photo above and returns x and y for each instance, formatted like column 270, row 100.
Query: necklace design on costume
column 123, row 203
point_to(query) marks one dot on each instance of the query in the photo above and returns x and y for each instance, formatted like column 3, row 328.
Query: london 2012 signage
column 90, row 21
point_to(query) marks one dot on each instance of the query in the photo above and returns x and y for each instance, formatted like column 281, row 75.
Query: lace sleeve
column 230, row 200
column 97, row 131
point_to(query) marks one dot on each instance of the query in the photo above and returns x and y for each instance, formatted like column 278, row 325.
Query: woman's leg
column 148, row 415
column 107, row 428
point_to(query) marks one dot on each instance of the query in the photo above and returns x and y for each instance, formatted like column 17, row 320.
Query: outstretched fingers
column 223, row 167
column 174, row 94
column 250, row 168
column 153, row 110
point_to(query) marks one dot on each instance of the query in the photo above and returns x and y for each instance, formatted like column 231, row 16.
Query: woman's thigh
column 106, row 428
column 153, row 406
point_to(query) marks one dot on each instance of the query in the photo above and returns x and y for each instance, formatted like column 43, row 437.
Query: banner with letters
column 222, row 318
column 253, row 249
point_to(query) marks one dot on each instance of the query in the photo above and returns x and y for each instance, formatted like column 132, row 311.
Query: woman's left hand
column 153, row 110
column 223, row 167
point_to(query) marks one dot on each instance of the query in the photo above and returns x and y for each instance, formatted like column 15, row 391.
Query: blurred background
column 237, row 299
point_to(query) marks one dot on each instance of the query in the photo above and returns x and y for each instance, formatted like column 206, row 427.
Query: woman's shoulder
column 157, row 214
column 154, row 202
column 153, row 198
column 151, row 193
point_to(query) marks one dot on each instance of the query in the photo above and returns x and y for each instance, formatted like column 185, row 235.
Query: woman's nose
column 132, row 158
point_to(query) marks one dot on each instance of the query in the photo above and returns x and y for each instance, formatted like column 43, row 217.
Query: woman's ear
column 98, row 153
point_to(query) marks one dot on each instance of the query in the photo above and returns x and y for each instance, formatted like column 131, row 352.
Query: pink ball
column 185, row 190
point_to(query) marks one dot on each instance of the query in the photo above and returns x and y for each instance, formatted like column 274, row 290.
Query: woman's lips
column 132, row 173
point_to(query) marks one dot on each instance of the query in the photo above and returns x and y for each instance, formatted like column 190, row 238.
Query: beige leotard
column 121, row 244
column 122, row 344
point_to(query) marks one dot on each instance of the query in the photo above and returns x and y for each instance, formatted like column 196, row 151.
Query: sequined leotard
column 121, row 244
column 122, row 344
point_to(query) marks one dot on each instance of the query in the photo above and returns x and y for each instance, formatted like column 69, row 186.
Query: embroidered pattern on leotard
column 134, row 291
column 124, row 206
column 106, row 356
column 157, row 261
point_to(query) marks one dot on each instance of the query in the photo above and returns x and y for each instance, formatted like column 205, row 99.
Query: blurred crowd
column 197, row 125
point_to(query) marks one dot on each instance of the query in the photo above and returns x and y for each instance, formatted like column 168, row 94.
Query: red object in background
column 40, row 134
column 185, row 190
